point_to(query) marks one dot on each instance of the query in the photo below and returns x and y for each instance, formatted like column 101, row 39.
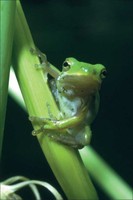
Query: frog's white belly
column 69, row 107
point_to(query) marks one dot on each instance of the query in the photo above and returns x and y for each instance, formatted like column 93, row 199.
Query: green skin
column 76, row 91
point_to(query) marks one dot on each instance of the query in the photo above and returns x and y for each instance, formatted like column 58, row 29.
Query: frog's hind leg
column 84, row 135
column 64, row 139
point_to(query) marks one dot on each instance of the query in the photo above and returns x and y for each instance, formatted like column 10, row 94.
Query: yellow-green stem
column 64, row 161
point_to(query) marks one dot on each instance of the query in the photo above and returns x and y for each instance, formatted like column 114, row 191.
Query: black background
column 92, row 31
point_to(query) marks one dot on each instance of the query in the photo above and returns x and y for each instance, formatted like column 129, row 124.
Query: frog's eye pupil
column 103, row 74
column 66, row 66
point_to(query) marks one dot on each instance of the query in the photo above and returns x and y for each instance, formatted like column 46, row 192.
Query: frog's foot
column 44, row 124
column 66, row 139
column 43, row 58
column 38, row 53
column 45, row 65
column 38, row 120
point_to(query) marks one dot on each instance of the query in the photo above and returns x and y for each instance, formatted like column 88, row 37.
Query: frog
column 76, row 92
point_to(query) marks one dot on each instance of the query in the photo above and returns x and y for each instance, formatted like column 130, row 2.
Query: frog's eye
column 103, row 74
column 66, row 66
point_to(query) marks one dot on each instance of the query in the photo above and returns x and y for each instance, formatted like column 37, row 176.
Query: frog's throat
column 79, row 81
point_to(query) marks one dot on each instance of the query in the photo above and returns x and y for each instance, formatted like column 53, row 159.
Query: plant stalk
column 7, row 12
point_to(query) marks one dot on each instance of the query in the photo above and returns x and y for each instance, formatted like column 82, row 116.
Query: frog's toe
column 38, row 131
column 39, row 120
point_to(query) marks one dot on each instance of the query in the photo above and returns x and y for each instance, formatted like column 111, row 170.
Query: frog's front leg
column 55, row 129
column 54, row 124
column 45, row 65
column 44, row 124
column 41, row 55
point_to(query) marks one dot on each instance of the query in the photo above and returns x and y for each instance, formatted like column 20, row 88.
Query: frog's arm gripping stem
column 53, row 71
column 52, row 124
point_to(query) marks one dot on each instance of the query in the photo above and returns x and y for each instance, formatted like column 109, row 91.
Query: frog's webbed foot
column 76, row 138
column 38, row 53
column 44, row 64
column 66, row 139
column 38, row 120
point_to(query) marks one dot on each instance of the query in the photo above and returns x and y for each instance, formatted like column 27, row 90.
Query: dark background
column 92, row 31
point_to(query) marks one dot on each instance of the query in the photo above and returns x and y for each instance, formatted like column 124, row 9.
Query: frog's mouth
column 81, row 84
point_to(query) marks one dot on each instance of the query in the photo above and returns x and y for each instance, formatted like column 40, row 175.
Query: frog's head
column 81, row 76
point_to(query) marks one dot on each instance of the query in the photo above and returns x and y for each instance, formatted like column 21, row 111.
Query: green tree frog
column 76, row 92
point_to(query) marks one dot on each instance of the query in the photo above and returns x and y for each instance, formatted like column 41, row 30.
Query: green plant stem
column 7, row 12
column 106, row 177
column 64, row 161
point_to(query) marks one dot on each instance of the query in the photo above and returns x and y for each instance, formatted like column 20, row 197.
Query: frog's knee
column 84, row 136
